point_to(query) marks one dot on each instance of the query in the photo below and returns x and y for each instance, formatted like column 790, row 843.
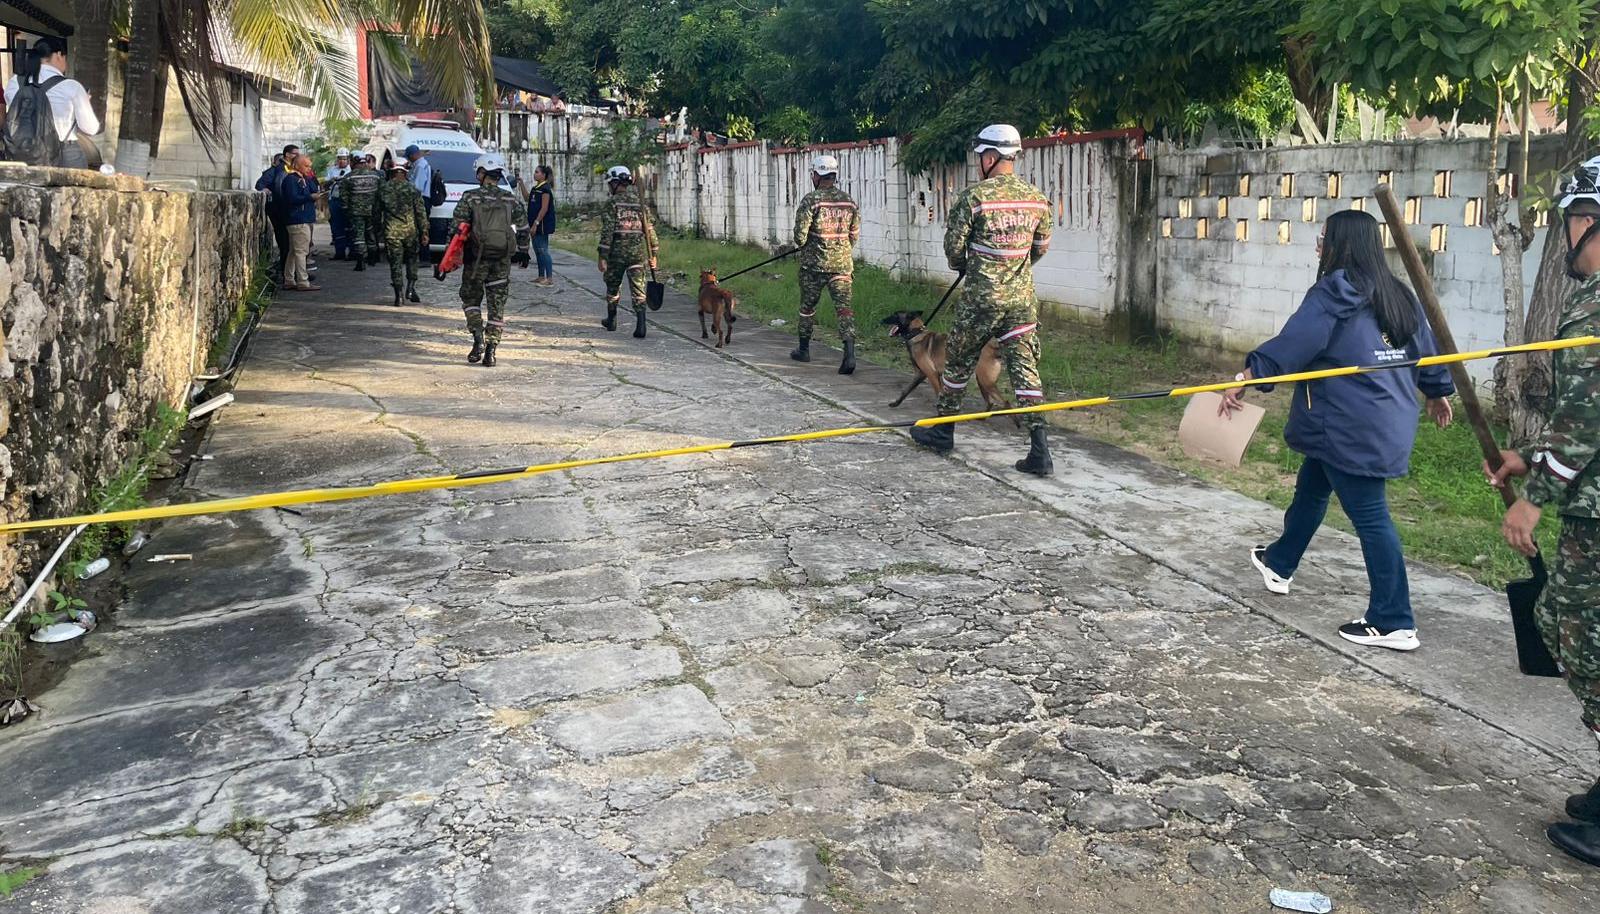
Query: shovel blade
column 655, row 294
column 1533, row 657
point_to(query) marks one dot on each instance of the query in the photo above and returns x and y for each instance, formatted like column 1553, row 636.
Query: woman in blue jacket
column 1356, row 432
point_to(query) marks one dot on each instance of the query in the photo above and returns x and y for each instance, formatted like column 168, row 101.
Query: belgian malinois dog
column 927, row 352
column 719, row 303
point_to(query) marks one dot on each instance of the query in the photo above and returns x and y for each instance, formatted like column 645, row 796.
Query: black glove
column 521, row 259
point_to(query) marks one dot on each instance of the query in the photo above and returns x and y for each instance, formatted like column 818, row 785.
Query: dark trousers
column 280, row 235
column 1365, row 501
column 339, row 226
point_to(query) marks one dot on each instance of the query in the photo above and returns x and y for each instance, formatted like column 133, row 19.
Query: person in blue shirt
column 1356, row 432
column 421, row 173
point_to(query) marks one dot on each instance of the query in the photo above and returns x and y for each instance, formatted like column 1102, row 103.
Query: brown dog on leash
column 927, row 352
column 717, row 302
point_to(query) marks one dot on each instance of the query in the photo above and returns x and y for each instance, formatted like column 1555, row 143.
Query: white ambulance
column 451, row 151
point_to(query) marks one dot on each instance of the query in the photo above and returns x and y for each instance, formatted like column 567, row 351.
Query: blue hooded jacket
column 1364, row 425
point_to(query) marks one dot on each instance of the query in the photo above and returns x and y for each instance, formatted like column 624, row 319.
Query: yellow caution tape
column 489, row 477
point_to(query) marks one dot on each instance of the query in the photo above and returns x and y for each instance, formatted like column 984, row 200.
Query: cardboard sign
column 1208, row 436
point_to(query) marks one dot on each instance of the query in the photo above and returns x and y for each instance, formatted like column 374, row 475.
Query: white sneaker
column 1275, row 584
column 1395, row 639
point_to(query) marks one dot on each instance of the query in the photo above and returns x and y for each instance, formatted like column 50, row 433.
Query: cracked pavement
column 840, row 677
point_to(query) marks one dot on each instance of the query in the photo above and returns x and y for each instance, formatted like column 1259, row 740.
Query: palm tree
column 297, row 40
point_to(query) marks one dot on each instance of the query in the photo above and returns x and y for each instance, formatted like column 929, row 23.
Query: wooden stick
column 1423, row 284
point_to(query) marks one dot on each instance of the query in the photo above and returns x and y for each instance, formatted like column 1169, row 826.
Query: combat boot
column 411, row 292
column 941, row 439
column 638, row 326
column 1585, row 806
column 477, row 347
column 848, row 365
column 361, row 263
column 489, row 361
column 1038, row 460
column 610, row 323
column 397, row 295
column 1578, row 840
column 802, row 352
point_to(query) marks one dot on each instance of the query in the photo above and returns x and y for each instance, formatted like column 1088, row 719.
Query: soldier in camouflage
column 826, row 227
column 627, row 246
column 405, row 225
column 996, row 231
column 359, row 191
column 496, row 221
column 1563, row 470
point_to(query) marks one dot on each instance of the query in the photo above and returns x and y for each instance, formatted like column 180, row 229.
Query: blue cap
column 412, row 150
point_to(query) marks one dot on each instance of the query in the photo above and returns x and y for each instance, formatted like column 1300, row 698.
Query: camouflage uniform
column 359, row 191
column 488, row 279
column 627, row 245
column 826, row 227
column 997, row 229
column 405, row 224
column 1564, row 471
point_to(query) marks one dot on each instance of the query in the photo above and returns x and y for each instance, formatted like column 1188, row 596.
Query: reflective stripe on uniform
column 1555, row 466
column 984, row 206
column 1030, row 393
column 951, row 385
column 1008, row 253
column 1018, row 331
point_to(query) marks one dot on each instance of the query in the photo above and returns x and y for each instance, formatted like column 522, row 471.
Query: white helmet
column 490, row 161
column 618, row 173
column 342, row 154
column 1002, row 138
column 824, row 165
column 1583, row 184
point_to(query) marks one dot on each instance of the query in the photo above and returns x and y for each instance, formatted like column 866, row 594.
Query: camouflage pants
column 1568, row 612
column 402, row 247
column 486, row 280
column 839, row 287
column 616, row 271
column 360, row 224
column 1016, row 326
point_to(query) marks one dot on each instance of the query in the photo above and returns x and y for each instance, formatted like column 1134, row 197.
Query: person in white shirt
column 69, row 100
column 338, row 224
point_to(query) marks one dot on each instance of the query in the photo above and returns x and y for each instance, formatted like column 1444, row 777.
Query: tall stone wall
column 110, row 296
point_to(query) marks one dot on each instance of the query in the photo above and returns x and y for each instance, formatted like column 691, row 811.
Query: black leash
column 763, row 263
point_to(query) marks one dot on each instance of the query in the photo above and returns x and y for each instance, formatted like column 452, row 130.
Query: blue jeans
column 541, row 250
column 339, row 226
column 1366, row 503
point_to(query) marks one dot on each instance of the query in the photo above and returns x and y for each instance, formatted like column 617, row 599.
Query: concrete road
column 840, row 677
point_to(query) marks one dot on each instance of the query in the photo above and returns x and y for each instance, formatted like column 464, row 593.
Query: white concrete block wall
column 1234, row 294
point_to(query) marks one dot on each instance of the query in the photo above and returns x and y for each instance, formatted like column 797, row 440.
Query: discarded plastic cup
column 1310, row 902
column 135, row 543
column 93, row 568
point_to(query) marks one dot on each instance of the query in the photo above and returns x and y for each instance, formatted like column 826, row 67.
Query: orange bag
column 454, row 252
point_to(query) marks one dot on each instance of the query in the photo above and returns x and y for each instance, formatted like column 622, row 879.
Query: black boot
column 489, row 361
column 477, row 347
column 638, row 326
column 848, row 366
column 1579, row 840
column 372, row 256
column 941, row 439
column 1585, row 807
column 610, row 323
column 397, row 296
column 361, row 263
column 1038, row 460
column 802, row 352
column 411, row 292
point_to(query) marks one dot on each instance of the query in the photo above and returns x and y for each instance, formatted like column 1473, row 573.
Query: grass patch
column 1445, row 513
column 257, row 296
column 14, row 879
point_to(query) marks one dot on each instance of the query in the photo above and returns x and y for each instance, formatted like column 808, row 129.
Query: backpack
column 437, row 193
column 30, row 130
column 491, row 229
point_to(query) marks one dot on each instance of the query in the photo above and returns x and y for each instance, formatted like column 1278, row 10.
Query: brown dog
column 717, row 302
column 927, row 351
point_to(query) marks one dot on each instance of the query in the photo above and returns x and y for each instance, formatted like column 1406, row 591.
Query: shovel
column 1533, row 657
column 654, row 293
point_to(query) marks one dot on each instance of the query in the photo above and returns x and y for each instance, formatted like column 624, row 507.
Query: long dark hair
column 42, row 48
column 1351, row 242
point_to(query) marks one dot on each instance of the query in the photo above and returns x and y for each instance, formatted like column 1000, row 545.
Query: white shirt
column 421, row 176
column 332, row 174
column 69, row 103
